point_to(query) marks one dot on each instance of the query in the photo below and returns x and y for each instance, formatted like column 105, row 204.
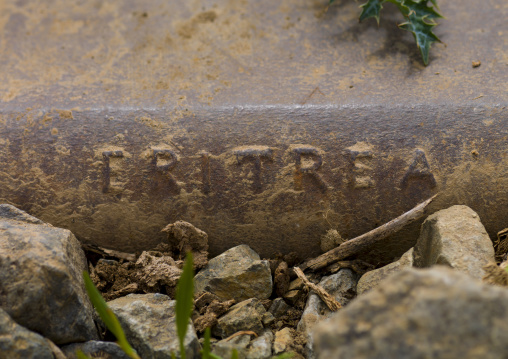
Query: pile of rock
column 252, row 305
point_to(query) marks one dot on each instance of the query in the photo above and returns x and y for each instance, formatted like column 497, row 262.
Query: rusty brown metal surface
column 260, row 122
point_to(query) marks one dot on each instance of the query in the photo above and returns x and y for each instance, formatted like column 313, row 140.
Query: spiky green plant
column 419, row 16
column 108, row 317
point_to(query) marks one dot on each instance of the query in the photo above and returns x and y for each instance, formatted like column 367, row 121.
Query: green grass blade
column 205, row 353
column 82, row 355
column 184, row 301
column 284, row 356
column 234, row 354
column 108, row 317
column 213, row 356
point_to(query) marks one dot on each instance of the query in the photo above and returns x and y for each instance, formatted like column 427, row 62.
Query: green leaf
column 205, row 353
column 371, row 8
column 284, row 356
column 82, row 355
column 422, row 32
column 421, row 9
column 184, row 301
column 234, row 354
column 108, row 317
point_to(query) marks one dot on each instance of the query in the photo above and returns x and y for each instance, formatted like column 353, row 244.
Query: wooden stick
column 330, row 301
column 242, row 332
column 358, row 244
column 109, row 252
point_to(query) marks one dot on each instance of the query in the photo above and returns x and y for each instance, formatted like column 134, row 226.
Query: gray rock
column 8, row 211
column 454, row 237
column 237, row 274
column 340, row 285
column 246, row 315
column 279, row 307
column 17, row 342
column 224, row 348
column 149, row 324
column 261, row 347
column 420, row 313
column 95, row 349
column 372, row 278
column 41, row 284
column 267, row 319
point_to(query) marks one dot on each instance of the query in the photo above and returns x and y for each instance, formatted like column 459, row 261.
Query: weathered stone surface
column 283, row 341
column 340, row 285
column 94, row 349
column 281, row 279
column 8, row 211
column 261, row 347
column 17, row 342
column 149, row 324
column 236, row 274
column 246, row 315
column 454, row 237
column 224, row 348
column 267, row 319
column 211, row 313
column 372, row 278
column 41, row 285
column 420, row 313
column 278, row 307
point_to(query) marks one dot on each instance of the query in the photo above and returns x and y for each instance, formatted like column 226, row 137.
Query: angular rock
column 236, row 274
column 454, row 237
column 267, row 319
column 246, row 315
column 224, row 348
column 340, row 285
column 372, row 278
column 278, row 307
column 261, row 347
column 149, row 324
column 213, row 311
column 420, row 313
column 41, row 285
column 95, row 349
column 283, row 341
column 17, row 342
column 8, row 211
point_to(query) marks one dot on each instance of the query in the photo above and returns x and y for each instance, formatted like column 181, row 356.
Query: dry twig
column 330, row 301
column 358, row 244
column 242, row 332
